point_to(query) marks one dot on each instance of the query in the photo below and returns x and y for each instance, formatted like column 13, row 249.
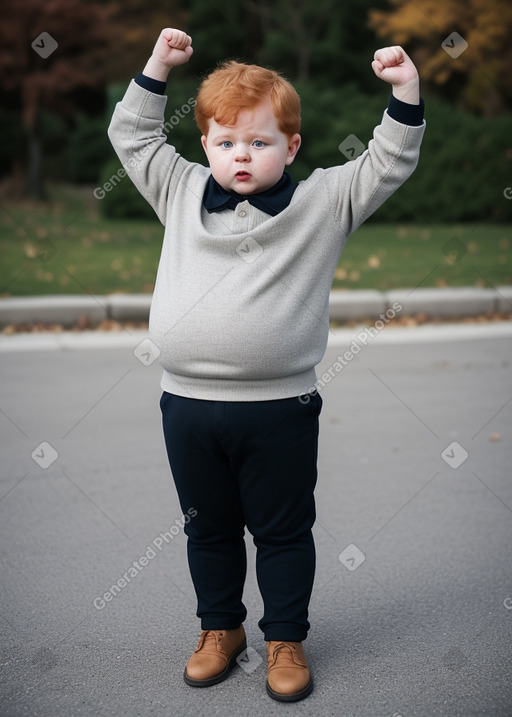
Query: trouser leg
column 274, row 450
column 204, row 480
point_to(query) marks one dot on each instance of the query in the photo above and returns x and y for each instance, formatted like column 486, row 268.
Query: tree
column 136, row 25
column 51, row 58
column 324, row 41
column 478, row 76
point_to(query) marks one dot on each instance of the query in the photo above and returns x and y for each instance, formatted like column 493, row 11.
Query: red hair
column 235, row 86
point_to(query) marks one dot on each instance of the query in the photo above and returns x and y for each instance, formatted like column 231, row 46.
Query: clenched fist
column 173, row 48
column 393, row 65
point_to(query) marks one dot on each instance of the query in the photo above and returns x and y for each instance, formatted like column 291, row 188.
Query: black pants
column 247, row 464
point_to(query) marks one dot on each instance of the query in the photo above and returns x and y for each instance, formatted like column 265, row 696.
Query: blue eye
column 258, row 143
column 227, row 144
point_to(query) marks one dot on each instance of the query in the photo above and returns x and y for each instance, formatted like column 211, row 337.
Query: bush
column 123, row 201
column 465, row 161
column 88, row 146
column 465, row 165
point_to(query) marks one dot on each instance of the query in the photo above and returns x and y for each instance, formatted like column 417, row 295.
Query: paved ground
column 412, row 608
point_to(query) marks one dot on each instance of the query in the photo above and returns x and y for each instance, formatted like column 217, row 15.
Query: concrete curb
column 134, row 339
column 358, row 305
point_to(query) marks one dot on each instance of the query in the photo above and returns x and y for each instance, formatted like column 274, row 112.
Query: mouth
column 242, row 176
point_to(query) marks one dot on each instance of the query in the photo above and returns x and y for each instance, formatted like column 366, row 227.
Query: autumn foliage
column 481, row 77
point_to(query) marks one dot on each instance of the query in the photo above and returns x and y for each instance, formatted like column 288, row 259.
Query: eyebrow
column 225, row 137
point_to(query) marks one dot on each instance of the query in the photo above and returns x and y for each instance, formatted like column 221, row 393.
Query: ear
column 203, row 142
column 293, row 147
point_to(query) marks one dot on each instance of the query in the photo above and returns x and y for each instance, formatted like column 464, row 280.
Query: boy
column 240, row 314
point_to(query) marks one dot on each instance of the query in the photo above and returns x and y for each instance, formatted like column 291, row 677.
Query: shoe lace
column 211, row 637
column 284, row 644
column 280, row 646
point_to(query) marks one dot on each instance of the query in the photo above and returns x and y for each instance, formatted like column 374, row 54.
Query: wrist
column 156, row 69
column 408, row 92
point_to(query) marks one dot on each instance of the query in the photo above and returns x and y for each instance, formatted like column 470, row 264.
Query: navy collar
column 272, row 201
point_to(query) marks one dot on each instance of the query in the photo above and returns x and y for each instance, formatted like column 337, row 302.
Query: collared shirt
column 272, row 201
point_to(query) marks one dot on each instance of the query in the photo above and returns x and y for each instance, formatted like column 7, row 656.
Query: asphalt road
column 412, row 608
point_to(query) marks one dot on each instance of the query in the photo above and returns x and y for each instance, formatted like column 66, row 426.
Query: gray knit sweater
column 240, row 310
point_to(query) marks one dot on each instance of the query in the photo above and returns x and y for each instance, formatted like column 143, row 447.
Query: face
column 250, row 156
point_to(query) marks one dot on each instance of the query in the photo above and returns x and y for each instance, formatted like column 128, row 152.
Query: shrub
column 123, row 201
column 88, row 146
column 465, row 161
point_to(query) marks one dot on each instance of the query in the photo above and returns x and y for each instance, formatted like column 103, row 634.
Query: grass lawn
column 65, row 247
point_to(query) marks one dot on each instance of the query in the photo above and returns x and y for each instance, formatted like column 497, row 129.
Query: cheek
column 275, row 164
column 216, row 160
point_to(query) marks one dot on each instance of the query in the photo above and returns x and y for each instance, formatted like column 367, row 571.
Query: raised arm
column 364, row 183
column 136, row 129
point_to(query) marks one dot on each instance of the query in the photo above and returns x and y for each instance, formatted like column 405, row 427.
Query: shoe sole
column 294, row 697
column 222, row 675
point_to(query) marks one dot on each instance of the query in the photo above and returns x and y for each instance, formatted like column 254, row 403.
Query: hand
column 173, row 48
column 393, row 65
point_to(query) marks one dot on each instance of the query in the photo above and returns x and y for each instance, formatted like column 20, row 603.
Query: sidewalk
column 359, row 305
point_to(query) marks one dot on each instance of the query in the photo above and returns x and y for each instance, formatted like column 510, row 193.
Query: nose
column 242, row 153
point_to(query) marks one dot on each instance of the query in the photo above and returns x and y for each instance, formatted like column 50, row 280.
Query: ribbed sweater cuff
column 148, row 83
column 406, row 113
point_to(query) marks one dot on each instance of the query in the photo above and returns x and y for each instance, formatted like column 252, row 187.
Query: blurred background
column 65, row 63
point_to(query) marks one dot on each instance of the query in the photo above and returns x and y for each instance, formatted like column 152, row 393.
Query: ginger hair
column 235, row 86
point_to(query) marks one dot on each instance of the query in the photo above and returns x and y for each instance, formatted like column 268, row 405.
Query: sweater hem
column 210, row 389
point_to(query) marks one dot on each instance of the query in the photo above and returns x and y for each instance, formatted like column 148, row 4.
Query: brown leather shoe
column 288, row 677
column 214, row 656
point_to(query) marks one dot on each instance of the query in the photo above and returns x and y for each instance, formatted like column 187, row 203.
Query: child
column 240, row 314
